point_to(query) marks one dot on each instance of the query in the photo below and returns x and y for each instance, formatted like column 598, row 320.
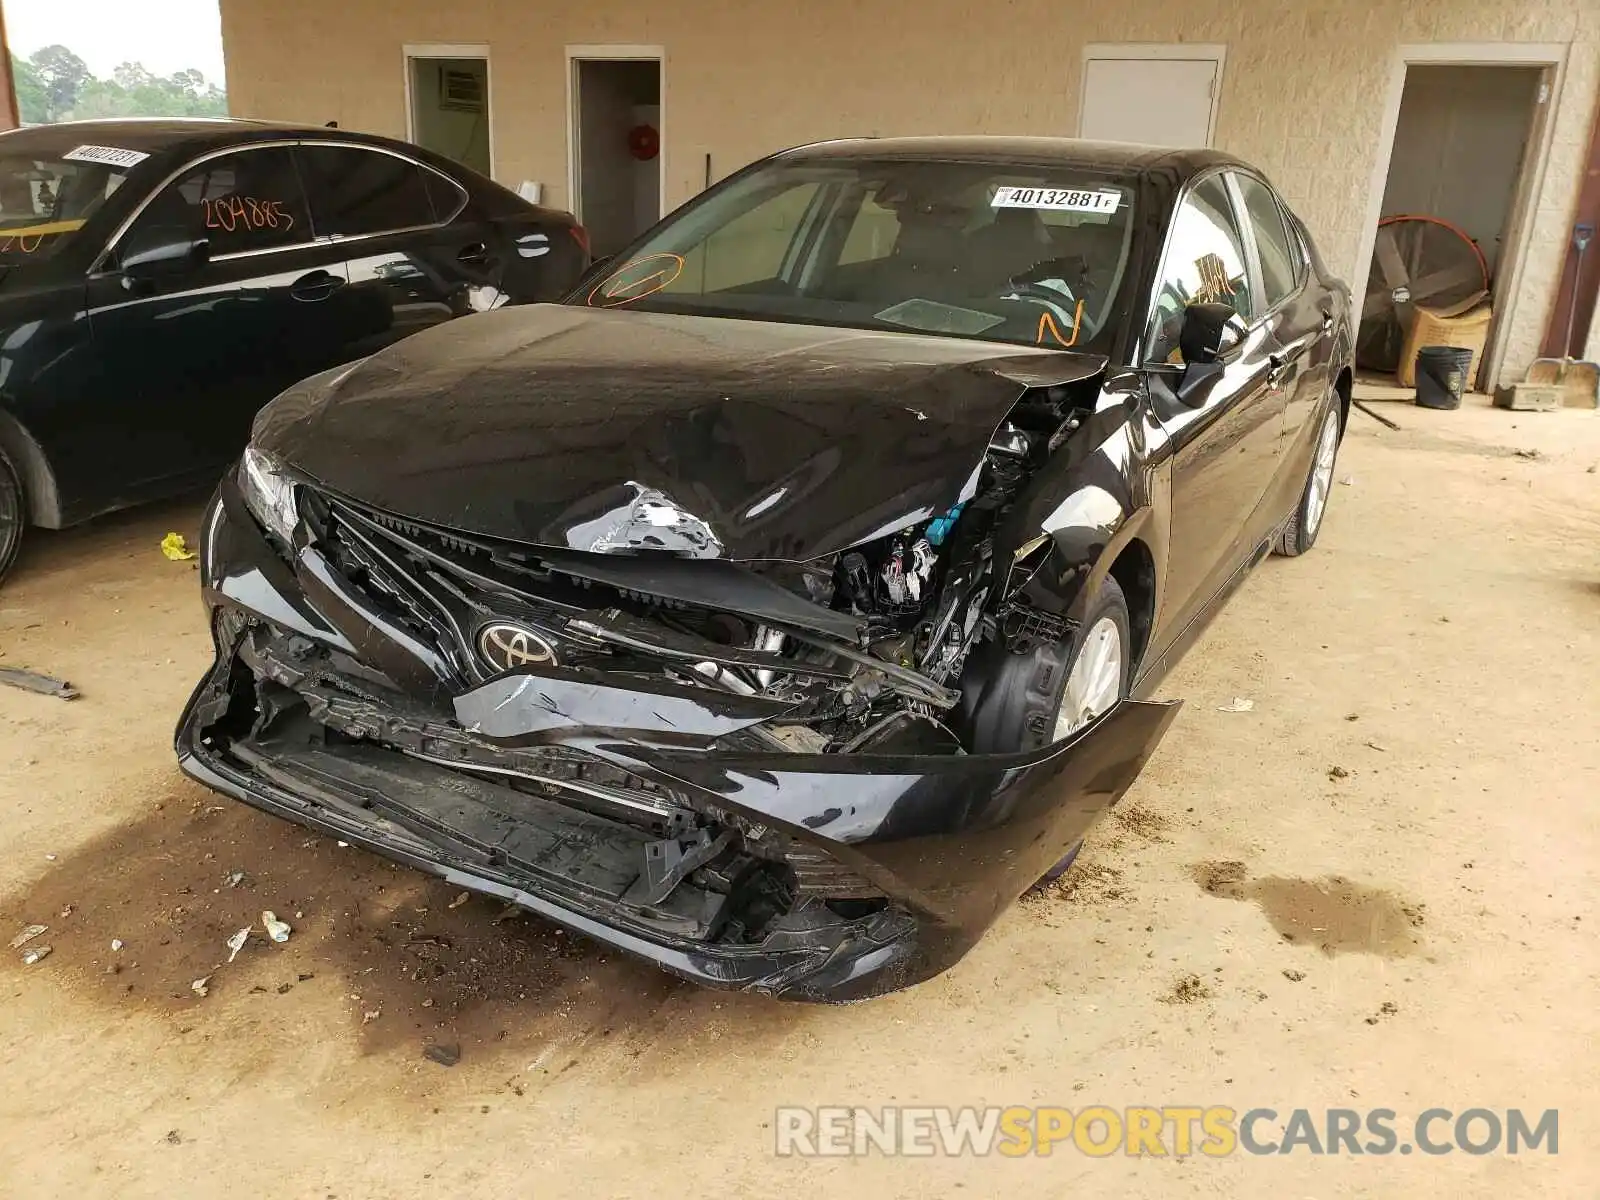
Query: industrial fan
column 1416, row 260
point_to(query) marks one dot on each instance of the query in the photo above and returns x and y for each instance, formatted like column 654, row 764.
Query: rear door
column 184, row 361
column 413, row 254
column 1224, row 449
column 1298, row 324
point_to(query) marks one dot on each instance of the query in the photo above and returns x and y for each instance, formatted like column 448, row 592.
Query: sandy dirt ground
column 1375, row 889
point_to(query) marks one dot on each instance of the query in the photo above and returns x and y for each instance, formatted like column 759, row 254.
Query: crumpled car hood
column 600, row 430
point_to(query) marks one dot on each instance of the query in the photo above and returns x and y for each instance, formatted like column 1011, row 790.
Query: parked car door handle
column 475, row 253
column 317, row 285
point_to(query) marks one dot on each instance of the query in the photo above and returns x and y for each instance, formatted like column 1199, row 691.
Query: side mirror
column 1209, row 333
column 163, row 257
column 1208, row 338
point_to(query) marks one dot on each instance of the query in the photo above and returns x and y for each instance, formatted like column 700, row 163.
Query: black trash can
column 1442, row 376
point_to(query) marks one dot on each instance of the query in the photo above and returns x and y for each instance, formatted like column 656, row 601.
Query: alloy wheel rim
column 1322, row 472
column 1095, row 683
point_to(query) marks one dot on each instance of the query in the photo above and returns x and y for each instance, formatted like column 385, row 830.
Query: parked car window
column 1204, row 264
column 872, row 233
column 355, row 191
column 751, row 247
column 1025, row 254
column 1279, row 276
column 250, row 200
column 446, row 195
column 45, row 199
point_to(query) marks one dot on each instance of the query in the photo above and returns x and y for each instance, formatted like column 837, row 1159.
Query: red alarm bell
column 644, row 143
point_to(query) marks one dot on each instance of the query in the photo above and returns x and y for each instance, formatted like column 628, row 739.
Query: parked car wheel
column 1300, row 534
column 1099, row 664
column 13, row 514
column 1098, row 674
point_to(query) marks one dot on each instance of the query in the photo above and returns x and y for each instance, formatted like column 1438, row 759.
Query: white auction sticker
column 112, row 156
column 1060, row 199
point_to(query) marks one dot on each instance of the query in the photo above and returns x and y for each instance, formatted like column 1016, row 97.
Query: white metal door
column 1153, row 101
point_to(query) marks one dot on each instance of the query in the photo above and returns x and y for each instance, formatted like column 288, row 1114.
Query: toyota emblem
column 505, row 646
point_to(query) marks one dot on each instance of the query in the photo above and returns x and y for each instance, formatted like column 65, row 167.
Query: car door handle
column 318, row 285
column 475, row 253
column 1327, row 320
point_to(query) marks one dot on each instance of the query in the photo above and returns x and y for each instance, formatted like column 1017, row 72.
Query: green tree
column 51, row 88
column 63, row 75
column 29, row 87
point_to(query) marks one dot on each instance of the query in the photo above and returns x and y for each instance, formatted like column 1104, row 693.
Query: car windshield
column 1023, row 254
column 44, row 201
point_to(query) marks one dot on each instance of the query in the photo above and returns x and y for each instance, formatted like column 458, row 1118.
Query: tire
column 13, row 514
column 1020, row 706
column 1300, row 534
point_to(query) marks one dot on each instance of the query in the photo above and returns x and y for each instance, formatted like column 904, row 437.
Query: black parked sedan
column 786, row 602
column 161, row 280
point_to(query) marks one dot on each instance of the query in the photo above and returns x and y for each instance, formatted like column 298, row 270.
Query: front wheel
column 13, row 514
column 1300, row 534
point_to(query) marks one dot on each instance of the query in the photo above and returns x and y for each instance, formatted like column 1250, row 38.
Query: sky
column 165, row 35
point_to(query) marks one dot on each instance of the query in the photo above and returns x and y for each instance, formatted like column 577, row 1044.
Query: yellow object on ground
column 175, row 548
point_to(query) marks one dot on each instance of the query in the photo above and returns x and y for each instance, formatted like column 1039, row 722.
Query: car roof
column 1033, row 151
column 153, row 135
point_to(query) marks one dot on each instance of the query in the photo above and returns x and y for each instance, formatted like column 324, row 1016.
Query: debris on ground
column 446, row 1054
column 1294, row 976
column 116, row 944
column 1338, row 772
column 29, row 932
column 66, row 911
column 371, row 1015
column 1188, row 990
column 31, row 956
column 1387, row 1009
column 175, row 548
column 1352, row 716
column 174, row 1138
column 1378, row 746
column 32, row 681
column 1348, row 481
column 1237, row 704
column 233, row 878
column 237, row 941
column 1529, row 454
column 460, row 899
column 277, row 930
column 199, row 988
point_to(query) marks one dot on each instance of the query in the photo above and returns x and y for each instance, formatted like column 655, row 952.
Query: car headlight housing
column 268, row 493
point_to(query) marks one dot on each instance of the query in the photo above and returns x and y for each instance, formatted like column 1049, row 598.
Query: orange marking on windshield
column 617, row 288
column 1047, row 322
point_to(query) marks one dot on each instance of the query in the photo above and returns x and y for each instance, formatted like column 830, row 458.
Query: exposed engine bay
column 864, row 650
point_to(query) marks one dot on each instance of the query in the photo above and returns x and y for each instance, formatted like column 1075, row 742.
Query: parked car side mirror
column 1207, row 340
column 161, row 257
column 1209, row 332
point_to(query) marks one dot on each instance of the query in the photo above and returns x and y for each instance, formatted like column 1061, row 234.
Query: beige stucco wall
column 1303, row 95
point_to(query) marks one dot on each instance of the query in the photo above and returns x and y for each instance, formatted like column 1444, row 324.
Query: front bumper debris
column 641, row 813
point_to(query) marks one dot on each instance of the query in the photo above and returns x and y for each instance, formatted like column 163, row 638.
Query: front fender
column 1093, row 505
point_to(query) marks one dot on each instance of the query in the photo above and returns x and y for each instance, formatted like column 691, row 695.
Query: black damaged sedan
column 784, row 603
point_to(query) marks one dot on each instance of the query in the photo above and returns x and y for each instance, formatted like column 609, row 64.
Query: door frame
column 1507, row 291
column 450, row 50
column 607, row 53
column 1156, row 52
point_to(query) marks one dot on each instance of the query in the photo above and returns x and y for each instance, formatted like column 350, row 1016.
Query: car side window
column 1204, row 264
column 355, row 191
column 1279, row 268
column 250, row 200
